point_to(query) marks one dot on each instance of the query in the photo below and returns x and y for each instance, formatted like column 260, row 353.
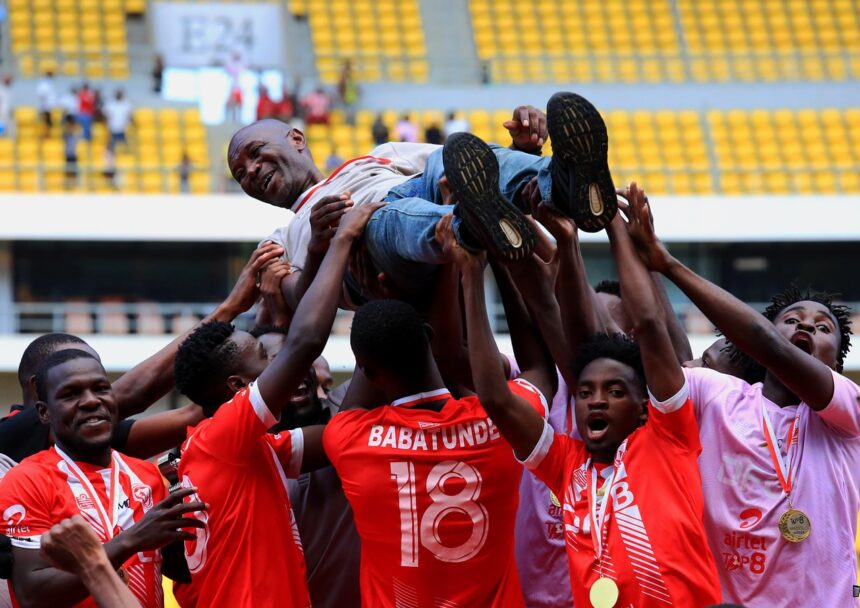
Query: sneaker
column 582, row 186
column 488, row 219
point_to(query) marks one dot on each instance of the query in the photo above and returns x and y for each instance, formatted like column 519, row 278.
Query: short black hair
column 793, row 294
column 38, row 350
column 610, row 286
column 203, row 361
column 617, row 347
column 391, row 334
column 260, row 330
column 52, row 361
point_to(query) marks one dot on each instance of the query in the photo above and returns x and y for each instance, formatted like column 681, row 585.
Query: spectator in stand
column 184, row 173
column 379, row 131
column 70, row 146
column 316, row 105
column 454, row 124
column 347, row 89
column 333, row 161
column 86, row 110
column 266, row 106
column 433, row 135
column 99, row 107
column 285, row 109
column 119, row 114
column 47, row 95
column 157, row 73
column 406, row 130
column 234, row 69
column 6, row 105
column 69, row 103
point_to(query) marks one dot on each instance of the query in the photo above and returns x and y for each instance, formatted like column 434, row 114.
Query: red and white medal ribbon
column 108, row 524
column 599, row 515
column 782, row 465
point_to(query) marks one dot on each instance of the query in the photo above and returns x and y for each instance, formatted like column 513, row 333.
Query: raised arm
column 314, row 317
column 160, row 432
column 752, row 333
column 518, row 422
column 40, row 585
column 662, row 369
column 150, row 380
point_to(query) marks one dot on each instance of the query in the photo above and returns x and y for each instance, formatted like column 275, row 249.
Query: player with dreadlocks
column 781, row 459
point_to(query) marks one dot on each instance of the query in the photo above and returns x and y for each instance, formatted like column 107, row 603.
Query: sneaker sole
column 579, row 140
column 473, row 175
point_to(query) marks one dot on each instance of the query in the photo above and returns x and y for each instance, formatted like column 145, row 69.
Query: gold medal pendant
column 794, row 525
column 603, row 593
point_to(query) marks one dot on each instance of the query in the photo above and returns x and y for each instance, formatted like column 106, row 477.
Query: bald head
column 271, row 162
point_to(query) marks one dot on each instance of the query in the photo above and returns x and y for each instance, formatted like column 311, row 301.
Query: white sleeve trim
column 541, row 448
column 26, row 542
column 673, row 403
column 525, row 383
column 260, row 408
column 297, row 441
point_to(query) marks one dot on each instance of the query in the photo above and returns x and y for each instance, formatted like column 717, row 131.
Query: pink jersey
column 744, row 499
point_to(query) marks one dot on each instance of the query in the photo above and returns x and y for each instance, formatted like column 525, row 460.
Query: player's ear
column 297, row 139
column 643, row 412
column 236, row 383
column 44, row 414
column 429, row 331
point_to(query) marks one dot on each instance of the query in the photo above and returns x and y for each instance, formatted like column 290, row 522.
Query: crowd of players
column 653, row 479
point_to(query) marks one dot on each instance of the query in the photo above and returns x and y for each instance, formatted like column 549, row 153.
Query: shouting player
column 781, row 457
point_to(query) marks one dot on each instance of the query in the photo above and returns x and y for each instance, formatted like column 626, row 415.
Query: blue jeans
column 86, row 122
column 400, row 237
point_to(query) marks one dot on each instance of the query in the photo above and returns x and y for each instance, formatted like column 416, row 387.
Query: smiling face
column 80, row 407
column 811, row 327
column 271, row 162
column 610, row 404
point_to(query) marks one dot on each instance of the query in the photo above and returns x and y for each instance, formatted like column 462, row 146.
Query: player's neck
column 777, row 392
column 603, row 456
column 99, row 457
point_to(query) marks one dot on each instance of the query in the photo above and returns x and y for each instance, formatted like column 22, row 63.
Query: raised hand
column 640, row 227
column 246, row 291
column 528, row 129
column 71, row 545
column 352, row 224
column 166, row 523
column 561, row 227
column 273, row 296
column 325, row 218
column 452, row 249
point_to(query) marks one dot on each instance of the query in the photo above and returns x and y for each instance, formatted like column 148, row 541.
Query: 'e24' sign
column 219, row 34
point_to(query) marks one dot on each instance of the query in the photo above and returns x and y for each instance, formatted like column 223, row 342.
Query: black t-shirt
column 23, row 434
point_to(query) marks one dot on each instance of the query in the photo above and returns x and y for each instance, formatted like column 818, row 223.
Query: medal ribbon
column 109, row 525
column 598, row 518
column 780, row 464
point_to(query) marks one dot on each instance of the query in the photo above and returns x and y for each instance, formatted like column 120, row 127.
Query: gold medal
column 603, row 593
column 794, row 525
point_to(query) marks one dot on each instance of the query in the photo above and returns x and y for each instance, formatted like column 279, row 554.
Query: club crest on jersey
column 143, row 495
column 84, row 502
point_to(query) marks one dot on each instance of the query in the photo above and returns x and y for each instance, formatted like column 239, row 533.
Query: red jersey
column 434, row 495
column 655, row 547
column 246, row 555
column 48, row 487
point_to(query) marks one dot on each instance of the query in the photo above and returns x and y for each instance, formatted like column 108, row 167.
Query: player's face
column 272, row 343
column 325, row 381
column 268, row 163
column 716, row 358
column 616, row 310
column 609, row 406
column 80, row 406
column 812, row 328
column 305, row 407
column 252, row 357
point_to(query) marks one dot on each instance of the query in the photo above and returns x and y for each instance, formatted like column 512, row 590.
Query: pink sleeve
column 289, row 447
column 705, row 386
column 843, row 412
column 237, row 427
column 549, row 457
